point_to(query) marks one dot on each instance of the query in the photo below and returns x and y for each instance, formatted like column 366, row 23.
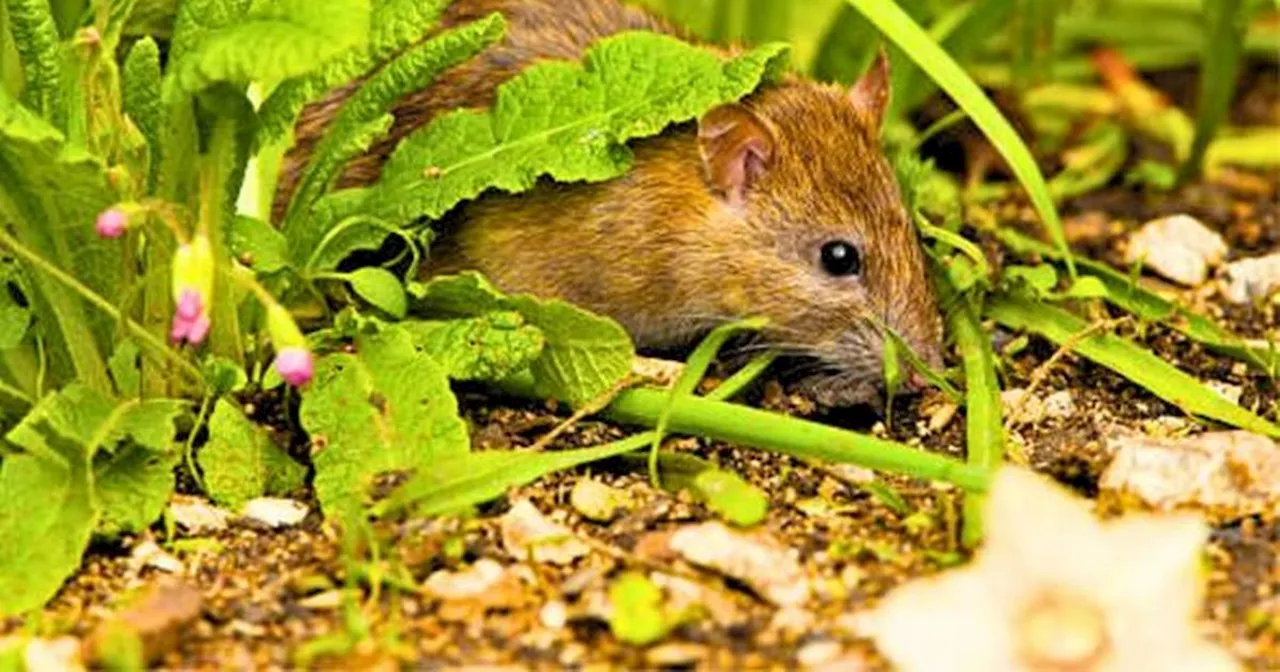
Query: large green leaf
column 36, row 37
column 241, row 461
column 270, row 42
column 584, row 356
column 396, row 25
column 566, row 120
column 490, row 347
column 385, row 407
column 366, row 110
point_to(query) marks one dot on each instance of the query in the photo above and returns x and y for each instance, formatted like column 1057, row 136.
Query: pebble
column 819, row 652
column 275, row 512
column 326, row 601
column 527, row 534
column 554, row 615
column 1250, row 280
column 1059, row 405
column 53, row 655
column 942, row 416
column 469, row 583
column 149, row 554
column 769, row 569
column 159, row 620
column 198, row 516
column 1224, row 475
column 596, row 501
column 1179, row 248
column 1231, row 393
column 676, row 654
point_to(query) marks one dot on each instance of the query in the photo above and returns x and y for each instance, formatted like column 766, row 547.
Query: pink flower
column 190, row 319
column 112, row 223
column 295, row 365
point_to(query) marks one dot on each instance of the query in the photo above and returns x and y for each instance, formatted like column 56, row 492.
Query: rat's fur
column 666, row 252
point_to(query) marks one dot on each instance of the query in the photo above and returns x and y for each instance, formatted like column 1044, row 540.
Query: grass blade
column 1127, row 359
column 984, row 427
column 1226, row 22
column 1123, row 293
column 912, row 40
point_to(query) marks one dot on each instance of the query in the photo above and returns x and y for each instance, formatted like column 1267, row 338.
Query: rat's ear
column 871, row 94
column 736, row 147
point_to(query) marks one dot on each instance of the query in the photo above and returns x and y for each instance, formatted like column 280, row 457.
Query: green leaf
column 224, row 376
column 140, row 92
column 397, row 24
column 637, row 616
column 134, row 485
column 270, row 42
column 1086, row 287
column 258, row 245
column 734, row 499
column 47, row 513
column 456, row 483
column 1129, row 360
column 52, row 193
column 36, row 37
column 490, row 347
column 241, row 461
column 381, row 288
column 1040, row 279
column 124, row 365
column 898, row 26
column 565, row 120
column 585, row 355
column 15, row 318
column 385, row 407
column 364, row 118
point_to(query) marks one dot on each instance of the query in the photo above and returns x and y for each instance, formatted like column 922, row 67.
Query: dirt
column 267, row 593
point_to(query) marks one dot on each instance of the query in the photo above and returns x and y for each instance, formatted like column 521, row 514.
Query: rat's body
column 781, row 206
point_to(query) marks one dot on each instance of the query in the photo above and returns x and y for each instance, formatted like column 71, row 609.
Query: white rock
column 1021, row 409
column 819, row 652
column 1059, row 405
column 771, row 570
column 1225, row 475
column 1179, row 248
column 1231, row 393
column 467, row 584
column 1249, row 280
column 595, row 500
column 53, row 655
column 149, row 554
column 197, row 516
column 553, row 615
column 526, row 534
column 275, row 512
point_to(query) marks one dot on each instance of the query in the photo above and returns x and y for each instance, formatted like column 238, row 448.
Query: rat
column 780, row 206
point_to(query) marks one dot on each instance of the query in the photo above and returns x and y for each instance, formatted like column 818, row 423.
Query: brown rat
column 780, row 206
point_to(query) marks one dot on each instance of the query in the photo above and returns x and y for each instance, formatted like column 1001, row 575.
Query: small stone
column 1250, row 280
column 676, row 654
column 819, row 652
column 197, row 516
column 553, row 615
column 1179, row 248
column 1224, row 475
column 595, row 500
column 527, row 534
column 664, row 372
column 941, row 417
column 156, row 622
column 468, row 594
column 148, row 554
column 275, row 512
column 1059, row 405
column 53, row 655
column 1231, row 393
column 1021, row 409
column 326, row 601
column 768, row 568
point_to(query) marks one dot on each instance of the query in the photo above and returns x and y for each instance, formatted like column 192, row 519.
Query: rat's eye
column 841, row 258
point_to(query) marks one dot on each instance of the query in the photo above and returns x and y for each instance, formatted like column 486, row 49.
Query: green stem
column 1227, row 21
column 215, row 176
column 145, row 337
column 747, row 426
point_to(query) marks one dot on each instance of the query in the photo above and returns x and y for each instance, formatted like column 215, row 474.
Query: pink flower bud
column 112, row 223
column 190, row 319
column 295, row 365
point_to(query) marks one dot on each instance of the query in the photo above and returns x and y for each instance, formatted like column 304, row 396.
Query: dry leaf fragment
column 527, row 534
column 771, row 570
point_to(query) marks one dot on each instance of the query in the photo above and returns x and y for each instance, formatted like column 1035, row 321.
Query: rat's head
column 824, row 246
